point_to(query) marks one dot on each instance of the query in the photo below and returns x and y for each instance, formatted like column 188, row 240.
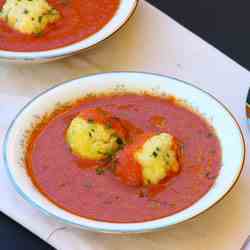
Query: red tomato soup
column 84, row 190
column 79, row 19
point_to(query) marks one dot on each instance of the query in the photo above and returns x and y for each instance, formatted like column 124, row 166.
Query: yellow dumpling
column 92, row 140
column 28, row 16
column 157, row 158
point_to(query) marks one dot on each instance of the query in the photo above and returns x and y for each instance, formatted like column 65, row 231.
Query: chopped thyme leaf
column 26, row 12
column 108, row 125
column 40, row 19
column 100, row 171
column 39, row 34
column 157, row 149
column 90, row 120
column 154, row 154
column 99, row 152
column 119, row 141
column 109, row 154
column 90, row 134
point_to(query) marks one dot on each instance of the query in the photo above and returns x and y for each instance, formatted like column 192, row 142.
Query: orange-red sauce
column 79, row 19
column 99, row 194
column 129, row 170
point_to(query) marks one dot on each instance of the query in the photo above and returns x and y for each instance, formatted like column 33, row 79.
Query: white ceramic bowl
column 228, row 131
column 125, row 10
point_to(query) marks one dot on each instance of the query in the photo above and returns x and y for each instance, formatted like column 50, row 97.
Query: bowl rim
column 105, row 229
column 72, row 48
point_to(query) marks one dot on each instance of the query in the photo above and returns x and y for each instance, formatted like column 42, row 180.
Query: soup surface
column 79, row 19
column 71, row 184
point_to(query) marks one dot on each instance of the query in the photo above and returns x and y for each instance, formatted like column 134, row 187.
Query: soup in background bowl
column 110, row 195
column 44, row 30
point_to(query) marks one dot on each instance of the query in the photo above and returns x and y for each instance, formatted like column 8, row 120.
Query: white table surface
column 150, row 42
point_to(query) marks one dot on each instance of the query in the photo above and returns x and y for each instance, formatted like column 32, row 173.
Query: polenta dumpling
column 148, row 160
column 92, row 140
column 28, row 16
column 157, row 158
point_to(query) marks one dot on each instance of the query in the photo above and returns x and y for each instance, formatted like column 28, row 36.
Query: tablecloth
column 151, row 42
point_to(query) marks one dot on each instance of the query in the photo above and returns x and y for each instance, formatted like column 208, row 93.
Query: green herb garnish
column 39, row 34
column 100, row 171
column 90, row 120
column 119, row 141
column 154, row 154
column 108, row 126
column 109, row 154
column 40, row 19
